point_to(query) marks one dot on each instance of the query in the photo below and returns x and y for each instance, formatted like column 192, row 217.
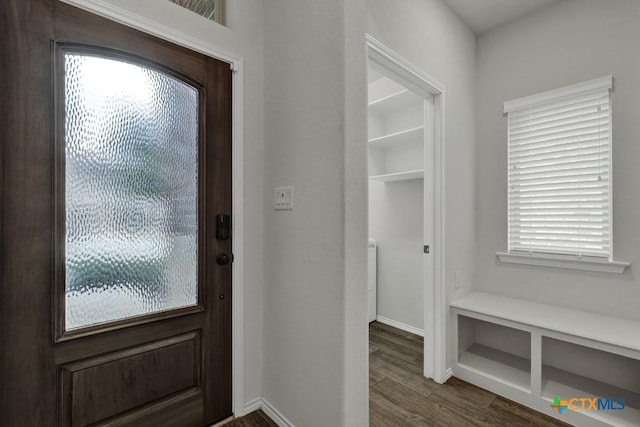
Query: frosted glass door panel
column 131, row 199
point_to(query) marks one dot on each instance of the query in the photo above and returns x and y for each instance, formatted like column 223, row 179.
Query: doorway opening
column 406, row 193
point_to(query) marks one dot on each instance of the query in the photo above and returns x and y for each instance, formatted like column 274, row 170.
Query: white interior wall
column 508, row 340
column 396, row 222
column 404, row 158
column 567, row 42
column 243, row 36
column 315, row 348
column 431, row 36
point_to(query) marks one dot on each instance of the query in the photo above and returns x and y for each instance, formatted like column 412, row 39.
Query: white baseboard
column 275, row 415
column 401, row 326
column 269, row 409
column 252, row 405
column 448, row 374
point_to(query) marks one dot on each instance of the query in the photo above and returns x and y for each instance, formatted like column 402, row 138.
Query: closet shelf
column 399, row 176
column 395, row 102
column 398, row 138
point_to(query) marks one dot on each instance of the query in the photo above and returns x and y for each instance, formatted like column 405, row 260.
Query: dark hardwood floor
column 254, row 419
column 400, row 396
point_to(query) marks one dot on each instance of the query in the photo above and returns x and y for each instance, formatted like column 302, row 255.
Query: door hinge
column 426, row 249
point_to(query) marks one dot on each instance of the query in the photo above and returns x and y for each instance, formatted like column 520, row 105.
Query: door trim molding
column 435, row 295
column 236, row 62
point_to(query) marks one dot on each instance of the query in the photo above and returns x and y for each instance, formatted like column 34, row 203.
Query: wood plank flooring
column 400, row 396
column 255, row 419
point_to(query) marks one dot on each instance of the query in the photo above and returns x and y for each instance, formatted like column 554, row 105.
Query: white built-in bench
column 531, row 352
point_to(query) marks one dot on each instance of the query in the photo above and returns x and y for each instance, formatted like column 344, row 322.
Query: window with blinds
column 559, row 171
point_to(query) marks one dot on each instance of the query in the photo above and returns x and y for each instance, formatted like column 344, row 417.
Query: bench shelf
column 531, row 353
column 502, row 366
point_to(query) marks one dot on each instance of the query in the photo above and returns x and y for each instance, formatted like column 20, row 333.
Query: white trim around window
column 605, row 82
column 559, row 178
column 562, row 261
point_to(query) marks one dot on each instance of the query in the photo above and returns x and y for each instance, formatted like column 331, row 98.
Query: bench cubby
column 531, row 352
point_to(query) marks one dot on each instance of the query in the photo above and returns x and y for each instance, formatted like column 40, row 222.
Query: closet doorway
column 406, row 221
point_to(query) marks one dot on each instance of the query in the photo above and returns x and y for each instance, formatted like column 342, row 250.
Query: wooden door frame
column 236, row 62
column 434, row 279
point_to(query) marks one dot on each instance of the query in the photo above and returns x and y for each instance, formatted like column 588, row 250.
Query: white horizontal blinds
column 559, row 175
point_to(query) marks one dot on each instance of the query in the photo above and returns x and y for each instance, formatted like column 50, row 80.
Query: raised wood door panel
column 172, row 367
column 102, row 387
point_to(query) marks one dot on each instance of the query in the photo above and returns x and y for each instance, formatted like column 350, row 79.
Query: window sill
column 559, row 261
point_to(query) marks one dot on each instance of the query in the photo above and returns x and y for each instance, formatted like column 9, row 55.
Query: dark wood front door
column 115, row 261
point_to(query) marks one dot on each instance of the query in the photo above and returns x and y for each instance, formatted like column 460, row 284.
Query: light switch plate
column 283, row 198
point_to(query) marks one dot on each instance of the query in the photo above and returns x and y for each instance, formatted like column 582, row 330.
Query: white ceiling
column 483, row 15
